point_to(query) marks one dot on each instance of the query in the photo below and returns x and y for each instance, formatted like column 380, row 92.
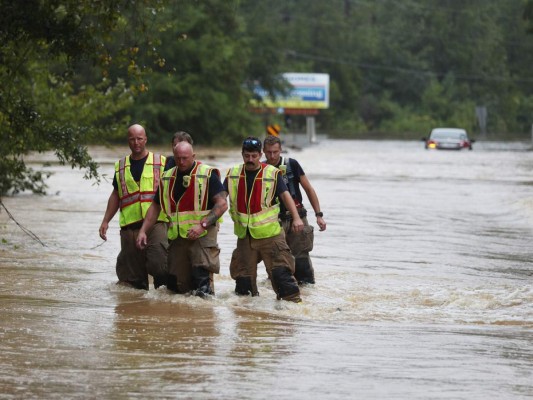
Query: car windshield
column 448, row 135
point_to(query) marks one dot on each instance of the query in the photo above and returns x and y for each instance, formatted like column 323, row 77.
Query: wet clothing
column 255, row 194
column 192, row 263
column 276, row 256
column 301, row 243
column 186, row 198
column 134, row 265
column 135, row 182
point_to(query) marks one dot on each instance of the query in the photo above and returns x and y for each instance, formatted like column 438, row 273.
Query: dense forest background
column 397, row 68
column 77, row 72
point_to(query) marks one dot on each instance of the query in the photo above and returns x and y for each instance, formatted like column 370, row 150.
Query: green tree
column 46, row 104
column 386, row 57
column 202, row 89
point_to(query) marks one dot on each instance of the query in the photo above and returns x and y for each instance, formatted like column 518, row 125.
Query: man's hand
column 321, row 223
column 297, row 225
column 142, row 240
column 195, row 232
column 103, row 230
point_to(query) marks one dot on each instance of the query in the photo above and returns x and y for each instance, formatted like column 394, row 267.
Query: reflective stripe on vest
column 135, row 198
column 254, row 213
column 191, row 207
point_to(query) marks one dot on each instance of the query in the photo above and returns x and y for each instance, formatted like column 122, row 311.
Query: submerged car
column 448, row 139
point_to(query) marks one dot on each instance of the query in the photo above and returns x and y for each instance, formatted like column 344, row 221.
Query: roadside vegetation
column 77, row 72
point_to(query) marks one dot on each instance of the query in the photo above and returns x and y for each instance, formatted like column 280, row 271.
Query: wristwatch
column 319, row 214
column 204, row 225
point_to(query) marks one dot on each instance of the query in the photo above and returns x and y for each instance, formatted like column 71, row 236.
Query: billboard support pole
column 311, row 129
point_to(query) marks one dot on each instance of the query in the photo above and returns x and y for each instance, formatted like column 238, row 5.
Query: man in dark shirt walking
column 294, row 177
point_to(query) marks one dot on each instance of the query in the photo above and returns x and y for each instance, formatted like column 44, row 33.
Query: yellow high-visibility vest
column 254, row 213
column 191, row 207
column 135, row 198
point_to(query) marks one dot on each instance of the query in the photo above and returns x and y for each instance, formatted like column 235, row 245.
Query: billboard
column 309, row 91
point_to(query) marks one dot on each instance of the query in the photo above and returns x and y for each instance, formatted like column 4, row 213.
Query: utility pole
column 481, row 114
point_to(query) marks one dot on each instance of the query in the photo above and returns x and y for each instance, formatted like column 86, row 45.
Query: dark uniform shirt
column 296, row 194
column 170, row 163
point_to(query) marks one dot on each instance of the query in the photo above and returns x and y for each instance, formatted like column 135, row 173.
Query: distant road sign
column 309, row 91
column 273, row 130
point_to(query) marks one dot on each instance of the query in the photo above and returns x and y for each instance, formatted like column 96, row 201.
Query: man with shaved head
column 179, row 136
column 135, row 182
column 192, row 197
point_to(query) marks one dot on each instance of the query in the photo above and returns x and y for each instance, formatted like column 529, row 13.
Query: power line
column 295, row 54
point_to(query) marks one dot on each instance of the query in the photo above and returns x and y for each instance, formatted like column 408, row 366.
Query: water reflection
column 423, row 290
column 187, row 345
column 260, row 338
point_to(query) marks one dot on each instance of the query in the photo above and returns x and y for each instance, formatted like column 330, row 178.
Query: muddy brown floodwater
column 424, row 289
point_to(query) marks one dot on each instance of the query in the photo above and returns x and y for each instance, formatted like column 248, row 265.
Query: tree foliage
column 202, row 88
column 396, row 68
column 394, row 63
column 76, row 72
column 46, row 102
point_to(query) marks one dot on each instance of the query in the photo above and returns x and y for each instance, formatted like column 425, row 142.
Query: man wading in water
column 134, row 184
column 294, row 176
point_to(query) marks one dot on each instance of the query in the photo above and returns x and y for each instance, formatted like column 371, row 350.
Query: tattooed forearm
column 211, row 217
column 218, row 209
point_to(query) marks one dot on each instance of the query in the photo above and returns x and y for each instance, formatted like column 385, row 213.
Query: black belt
column 135, row 225
column 302, row 212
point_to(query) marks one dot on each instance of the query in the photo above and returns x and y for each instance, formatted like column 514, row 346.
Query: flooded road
column 424, row 290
